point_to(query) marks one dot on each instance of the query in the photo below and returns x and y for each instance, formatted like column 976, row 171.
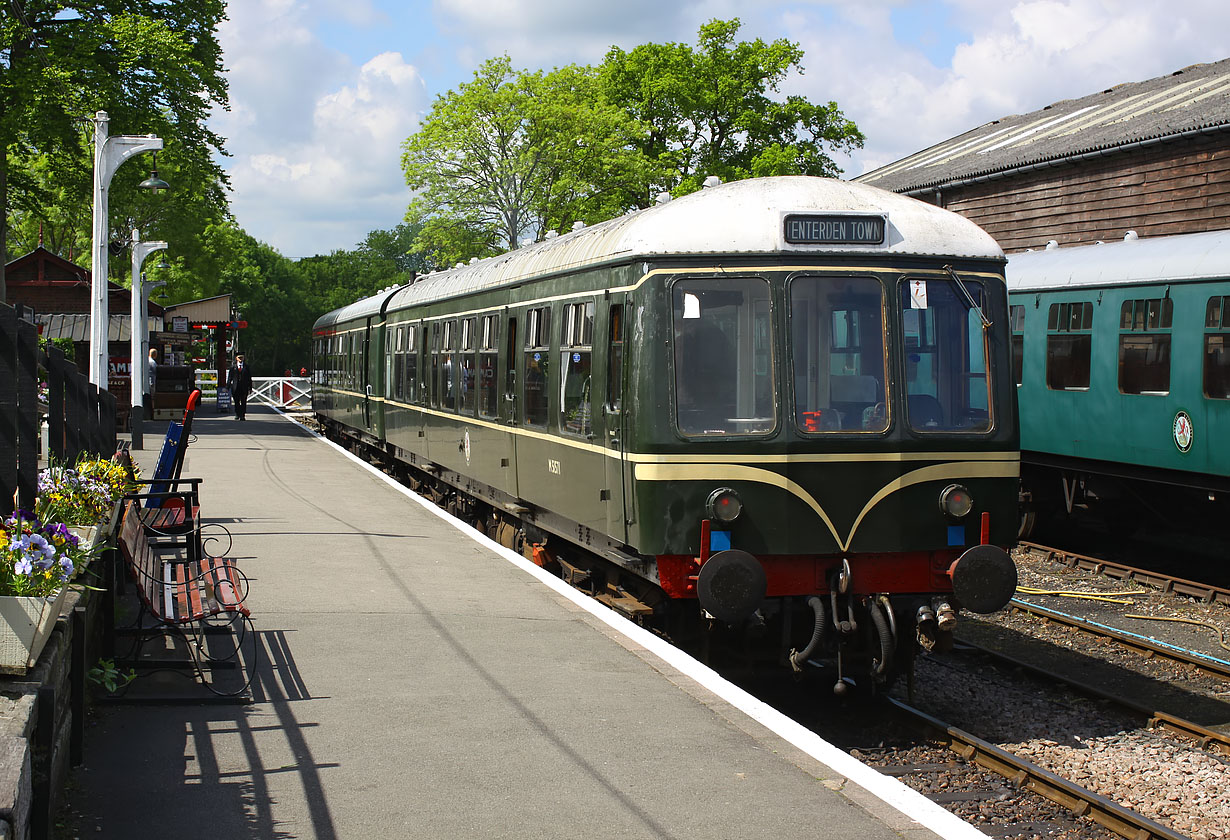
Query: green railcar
column 781, row 400
column 1122, row 364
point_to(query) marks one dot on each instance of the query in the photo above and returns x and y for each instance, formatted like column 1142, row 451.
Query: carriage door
column 369, row 358
column 611, row 425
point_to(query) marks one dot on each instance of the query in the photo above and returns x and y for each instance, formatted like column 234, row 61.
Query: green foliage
column 107, row 674
column 708, row 110
column 511, row 153
column 154, row 67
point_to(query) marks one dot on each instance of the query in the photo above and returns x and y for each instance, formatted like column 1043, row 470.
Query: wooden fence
column 80, row 417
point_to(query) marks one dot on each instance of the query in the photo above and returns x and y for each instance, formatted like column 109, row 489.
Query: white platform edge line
column 889, row 790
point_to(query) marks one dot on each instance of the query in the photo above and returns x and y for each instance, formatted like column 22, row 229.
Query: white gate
column 291, row 393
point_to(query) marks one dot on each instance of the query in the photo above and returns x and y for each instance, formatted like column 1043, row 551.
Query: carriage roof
column 1161, row 259
column 741, row 217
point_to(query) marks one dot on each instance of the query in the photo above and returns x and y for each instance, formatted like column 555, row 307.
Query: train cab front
column 854, row 476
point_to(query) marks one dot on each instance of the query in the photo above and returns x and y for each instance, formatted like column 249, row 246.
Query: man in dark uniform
column 240, row 381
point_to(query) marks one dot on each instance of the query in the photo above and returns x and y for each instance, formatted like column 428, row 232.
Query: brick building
column 1151, row 156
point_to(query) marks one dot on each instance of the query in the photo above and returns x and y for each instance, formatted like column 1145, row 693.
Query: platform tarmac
column 416, row 681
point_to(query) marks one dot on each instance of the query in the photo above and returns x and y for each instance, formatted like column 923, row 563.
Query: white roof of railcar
column 741, row 217
column 1160, row 259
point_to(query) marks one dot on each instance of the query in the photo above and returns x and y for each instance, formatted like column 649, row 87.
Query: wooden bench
column 182, row 590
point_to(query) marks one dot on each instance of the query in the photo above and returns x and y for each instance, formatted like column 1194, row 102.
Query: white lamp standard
column 140, row 335
column 109, row 153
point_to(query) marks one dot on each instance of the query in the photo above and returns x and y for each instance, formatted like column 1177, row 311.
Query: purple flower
column 66, row 569
column 22, row 565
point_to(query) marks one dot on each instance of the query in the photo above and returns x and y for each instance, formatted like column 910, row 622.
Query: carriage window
column 576, row 349
column 945, row 358
column 615, row 357
column 723, row 356
column 395, row 361
column 1069, row 343
column 448, row 363
column 537, row 365
column 1144, row 346
column 1016, row 317
column 488, row 354
column 1217, row 348
column 465, row 376
column 838, row 353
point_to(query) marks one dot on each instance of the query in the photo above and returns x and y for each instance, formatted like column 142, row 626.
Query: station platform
column 416, row 680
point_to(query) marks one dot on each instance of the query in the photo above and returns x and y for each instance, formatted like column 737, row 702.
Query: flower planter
column 25, row 625
column 87, row 535
column 107, row 527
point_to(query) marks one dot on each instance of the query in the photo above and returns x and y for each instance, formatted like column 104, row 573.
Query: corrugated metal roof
column 742, row 217
column 1160, row 259
column 77, row 327
column 211, row 310
column 1194, row 99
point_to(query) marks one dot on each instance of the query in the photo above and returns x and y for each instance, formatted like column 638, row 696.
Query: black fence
column 80, row 418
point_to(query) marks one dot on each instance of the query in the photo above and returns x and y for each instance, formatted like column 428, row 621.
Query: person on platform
column 240, row 381
column 153, row 369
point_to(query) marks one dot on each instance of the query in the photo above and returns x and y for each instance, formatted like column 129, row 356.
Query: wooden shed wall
column 1179, row 187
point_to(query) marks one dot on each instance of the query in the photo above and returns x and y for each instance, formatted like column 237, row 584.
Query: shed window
column 1069, row 344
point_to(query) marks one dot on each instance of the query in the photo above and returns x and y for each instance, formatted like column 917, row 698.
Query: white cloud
column 315, row 141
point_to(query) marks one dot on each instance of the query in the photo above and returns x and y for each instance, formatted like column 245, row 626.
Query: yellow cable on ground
column 1198, row 623
column 1104, row 597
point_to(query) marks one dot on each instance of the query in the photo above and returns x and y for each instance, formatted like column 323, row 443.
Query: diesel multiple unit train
column 780, row 405
column 1121, row 355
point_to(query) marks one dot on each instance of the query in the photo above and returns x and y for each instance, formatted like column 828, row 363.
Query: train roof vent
column 578, row 224
column 551, row 234
column 460, row 265
column 663, row 197
column 1131, row 236
column 712, row 181
column 473, row 260
column 1052, row 245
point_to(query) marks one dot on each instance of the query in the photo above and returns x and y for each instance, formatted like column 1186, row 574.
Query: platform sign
column 179, row 324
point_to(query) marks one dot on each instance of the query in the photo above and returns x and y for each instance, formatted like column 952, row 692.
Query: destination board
column 807, row 229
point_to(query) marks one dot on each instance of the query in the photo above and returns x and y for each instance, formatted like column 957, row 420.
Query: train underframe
column 863, row 640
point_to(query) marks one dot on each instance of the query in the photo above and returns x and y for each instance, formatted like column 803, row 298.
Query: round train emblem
column 1183, row 432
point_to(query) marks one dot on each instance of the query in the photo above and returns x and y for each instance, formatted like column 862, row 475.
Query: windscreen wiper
column 986, row 322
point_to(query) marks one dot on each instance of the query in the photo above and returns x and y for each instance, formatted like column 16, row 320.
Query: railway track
column 1119, row 571
column 1025, row 775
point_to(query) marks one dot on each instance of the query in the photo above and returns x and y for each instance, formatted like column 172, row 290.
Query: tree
column 509, row 153
column 154, row 66
column 708, row 111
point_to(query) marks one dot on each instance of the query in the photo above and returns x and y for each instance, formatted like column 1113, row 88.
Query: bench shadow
column 195, row 771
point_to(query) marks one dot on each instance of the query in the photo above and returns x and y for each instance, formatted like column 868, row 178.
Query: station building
column 1151, row 156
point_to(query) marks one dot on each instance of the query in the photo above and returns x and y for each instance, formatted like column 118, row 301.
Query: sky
column 324, row 92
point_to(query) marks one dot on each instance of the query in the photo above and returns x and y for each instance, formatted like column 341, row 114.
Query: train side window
column 1069, row 345
column 448, row 367
column 537, row 365
column 1144, row 346
column 465, row 365
column 1016, row 317
column 410, row 372
column 1217, row 349
column 615, row 358
column 395, row 361
column 838, row 354
column 488, row 358
column 433, row 381
column 576, row 351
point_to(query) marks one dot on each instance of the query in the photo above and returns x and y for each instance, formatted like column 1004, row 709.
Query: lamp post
column 109, row 153
column 140, row 336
